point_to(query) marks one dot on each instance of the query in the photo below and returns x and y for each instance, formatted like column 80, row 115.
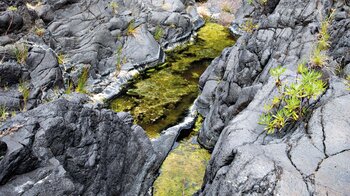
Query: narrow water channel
column 161, row 98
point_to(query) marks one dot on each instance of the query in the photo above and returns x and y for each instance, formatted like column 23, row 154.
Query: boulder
column 66, row 148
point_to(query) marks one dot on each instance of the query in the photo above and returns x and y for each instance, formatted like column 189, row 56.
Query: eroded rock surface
column 311, row 159
column 66, row 148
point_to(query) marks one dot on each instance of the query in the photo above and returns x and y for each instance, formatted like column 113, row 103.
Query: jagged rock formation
column 114, row 39
column 67, row 148
column 312, row 158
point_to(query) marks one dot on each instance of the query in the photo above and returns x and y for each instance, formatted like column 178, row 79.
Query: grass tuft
column 82, row 80
column 21, row 53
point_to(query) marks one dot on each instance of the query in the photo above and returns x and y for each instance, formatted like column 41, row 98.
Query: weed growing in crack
column 21, row 53
column 119, row 60
column 348, row 81
column 318, row 59
column 82, row 80
column 249, row 26
column 40, row 32
column 69, row 88
column 61, row 58
column 114, row 6
column 131, row 30
column 3, row 113
column 23, row 88
column 158, row 33
column 293, row 100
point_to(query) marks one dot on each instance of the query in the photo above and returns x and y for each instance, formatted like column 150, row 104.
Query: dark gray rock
column 312, row 158
column 64, row 148
column 10, row 21
column 44, row 70
column 11, row 73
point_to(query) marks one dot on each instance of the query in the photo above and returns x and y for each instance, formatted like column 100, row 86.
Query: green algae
column 211, row 40
column 161, row 97
column 183, row 170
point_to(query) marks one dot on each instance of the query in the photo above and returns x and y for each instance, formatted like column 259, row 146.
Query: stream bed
column 161, row 97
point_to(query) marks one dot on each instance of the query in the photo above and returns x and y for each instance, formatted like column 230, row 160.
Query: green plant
column 21, row 53
column 82, row 80
column 131, row 30
column 23, row 88
column 249, row 26
column 263, row 2
column 348, row 81
column 61, row 58
column 69, row 87
column 39, row 31
column 226, row 8
column 277, row 72
column 318, row 59
column 250, row 2
column 114, row 6
column 3, row 112
column 158, row 33
column 119, row 59
column 12, row 8
column 293, row 100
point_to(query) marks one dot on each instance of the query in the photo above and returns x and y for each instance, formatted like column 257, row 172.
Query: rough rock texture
column 116, row 39
column 313, row 158
column 66, row 148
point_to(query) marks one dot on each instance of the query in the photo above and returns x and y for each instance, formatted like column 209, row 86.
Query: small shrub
column 21, row 53
column 249, row 26
column 250, row 2
column 24, row 89
column 82, row 80
column 293, row 100
column 158, row 33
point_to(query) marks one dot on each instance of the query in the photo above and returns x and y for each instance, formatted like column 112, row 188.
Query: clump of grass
column 3, row 112
column 293, row 100
column 40, row 32
column 158, row 33
column 249, row 26
column 114, row 6
column 348, row 81
column 12, row 8
column 82, row 80
column 69, row 88
column 119, row 59
column 131, row 30
column 226, row 8
column 21, row 53
column 61, row 58
column 24, row 89
column 318, row 59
